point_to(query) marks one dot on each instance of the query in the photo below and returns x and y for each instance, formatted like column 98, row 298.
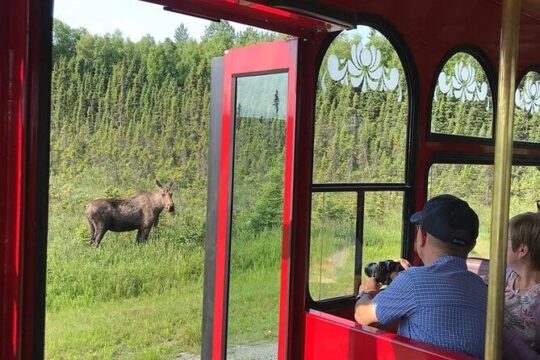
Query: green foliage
column 82, row 233
column 113, row 192
column 266, row 213
column 65, row 39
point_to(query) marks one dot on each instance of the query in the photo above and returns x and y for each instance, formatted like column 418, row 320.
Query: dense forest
column 124, row 113
column 129, row 112
column 142, row 106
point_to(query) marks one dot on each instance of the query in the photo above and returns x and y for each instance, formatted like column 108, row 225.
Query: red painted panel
column 309, row 55
column 331, row 337
column 265, row 17
column 290, row 50
column 21, row 59
column 13, row 73
column 222, row 226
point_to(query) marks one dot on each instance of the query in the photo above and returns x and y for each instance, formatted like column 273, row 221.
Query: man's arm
column 364, row 310
column 398, row 300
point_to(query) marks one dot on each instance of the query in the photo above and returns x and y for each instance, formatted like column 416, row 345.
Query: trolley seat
column 333, row 333
column 479, row 266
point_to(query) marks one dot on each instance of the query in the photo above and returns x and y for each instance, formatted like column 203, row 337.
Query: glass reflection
column 255, row 244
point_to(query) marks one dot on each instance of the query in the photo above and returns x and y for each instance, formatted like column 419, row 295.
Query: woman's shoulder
column 534, row 294
column 510, row 275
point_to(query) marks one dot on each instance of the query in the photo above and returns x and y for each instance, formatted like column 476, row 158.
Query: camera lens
column 371, row 269
column 394, row 266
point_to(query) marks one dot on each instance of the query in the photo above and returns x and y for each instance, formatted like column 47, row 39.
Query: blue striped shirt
column 442, row 304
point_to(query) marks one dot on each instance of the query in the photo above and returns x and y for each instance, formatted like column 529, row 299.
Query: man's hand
column 370, row 286
column 404, row 264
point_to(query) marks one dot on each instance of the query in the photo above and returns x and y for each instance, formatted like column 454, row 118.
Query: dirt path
column 242, row 352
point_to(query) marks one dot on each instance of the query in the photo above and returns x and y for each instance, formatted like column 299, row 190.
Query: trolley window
column 361, row 95
column 257, row 199
column 359, row 161
column 473, row 182
column 462, row 101
column 527, row 111
column 338, row 220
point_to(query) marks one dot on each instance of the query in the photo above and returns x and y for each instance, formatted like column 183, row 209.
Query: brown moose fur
column 139, row 212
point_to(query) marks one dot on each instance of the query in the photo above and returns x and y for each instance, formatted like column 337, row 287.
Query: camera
column 381, row 271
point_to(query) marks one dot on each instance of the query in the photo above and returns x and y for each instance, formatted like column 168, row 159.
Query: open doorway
column 126, row 112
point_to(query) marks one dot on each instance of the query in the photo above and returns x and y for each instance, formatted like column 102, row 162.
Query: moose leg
column 139, row 236
column 92, row 232
column 100, row 232
column 144, row 234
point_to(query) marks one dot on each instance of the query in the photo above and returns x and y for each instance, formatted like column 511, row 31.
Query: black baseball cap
column 449, row 219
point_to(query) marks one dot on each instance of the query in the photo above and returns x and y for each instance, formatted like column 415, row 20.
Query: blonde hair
column 525, row 229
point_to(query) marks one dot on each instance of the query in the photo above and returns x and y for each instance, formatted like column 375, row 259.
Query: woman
column 522, row 288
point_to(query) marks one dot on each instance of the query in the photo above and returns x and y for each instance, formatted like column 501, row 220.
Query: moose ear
column 158, row 183
column 172, row 185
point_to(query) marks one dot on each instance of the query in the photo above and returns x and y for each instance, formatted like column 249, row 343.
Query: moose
column 139, row 212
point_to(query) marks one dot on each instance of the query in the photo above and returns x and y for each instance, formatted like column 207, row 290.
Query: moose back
column 139, row 212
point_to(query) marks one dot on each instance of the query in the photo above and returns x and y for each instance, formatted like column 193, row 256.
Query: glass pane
column 474, row 184
column 524, row 190
column 462, row 102
column 361, row 111
column 255, row 252
column 527, row 110
column 383, row 230
column 333, row 233
column 331, row 253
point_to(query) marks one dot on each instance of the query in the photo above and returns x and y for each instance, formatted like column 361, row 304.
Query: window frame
column 412, row 139
column 491, row 76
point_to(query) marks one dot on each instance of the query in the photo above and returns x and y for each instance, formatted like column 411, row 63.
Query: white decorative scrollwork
column 463, row 85
column 363, row 70
column 528, row 99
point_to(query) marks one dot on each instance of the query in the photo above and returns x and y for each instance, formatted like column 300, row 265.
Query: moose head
column 166, row 193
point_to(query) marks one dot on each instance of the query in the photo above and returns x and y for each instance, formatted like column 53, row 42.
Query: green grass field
column 123, row 301
column 145, row 302
column 145, row 327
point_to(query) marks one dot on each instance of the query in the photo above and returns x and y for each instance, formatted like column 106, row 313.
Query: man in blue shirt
column 440, row 303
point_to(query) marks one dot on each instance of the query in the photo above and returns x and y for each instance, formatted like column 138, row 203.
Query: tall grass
column 254, row 287
column 146, row 327
column 81, row 275
column 121, row 300
column 145, row 302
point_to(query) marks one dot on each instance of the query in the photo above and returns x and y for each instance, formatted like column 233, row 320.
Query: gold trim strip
column 503, row 167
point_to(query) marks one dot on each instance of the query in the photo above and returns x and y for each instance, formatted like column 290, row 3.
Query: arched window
column 362, row 94
column 462, row 102
column 527, row 110
column 361, row 140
